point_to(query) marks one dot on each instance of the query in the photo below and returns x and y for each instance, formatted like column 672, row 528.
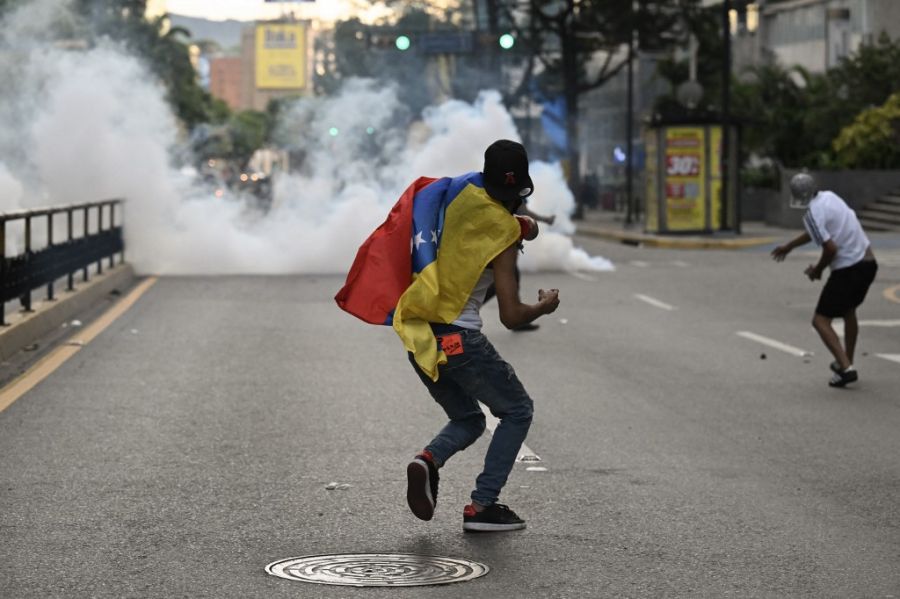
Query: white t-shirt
column 470, row 317
column 828, row 217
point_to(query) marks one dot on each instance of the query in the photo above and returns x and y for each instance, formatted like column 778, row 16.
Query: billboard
column 685, row 178
column 280, row 56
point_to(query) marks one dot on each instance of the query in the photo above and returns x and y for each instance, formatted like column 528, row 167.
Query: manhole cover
column 377, row 569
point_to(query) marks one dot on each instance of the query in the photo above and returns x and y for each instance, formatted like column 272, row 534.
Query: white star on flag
column 419, row 239
column 434, row 237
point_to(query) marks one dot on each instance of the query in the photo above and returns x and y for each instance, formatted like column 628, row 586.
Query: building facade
column 813, row 34
column 225, row 80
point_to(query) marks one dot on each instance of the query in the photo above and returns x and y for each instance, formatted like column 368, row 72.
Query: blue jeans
column 480, row 374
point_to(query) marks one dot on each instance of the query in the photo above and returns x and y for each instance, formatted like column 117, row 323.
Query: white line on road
column 838, row 324
column 891, row 357
column 639, row 263
column 582, row 276
column 525, row 453
column 879, row 323
column 653, row 301
column 794, row 351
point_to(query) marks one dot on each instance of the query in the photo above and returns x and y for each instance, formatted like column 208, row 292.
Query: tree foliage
column 249, row 130
column 574, row 46
column 165, row 51
column 359, row 50
column 873, row 139
column 796, row 117
column 704, row 23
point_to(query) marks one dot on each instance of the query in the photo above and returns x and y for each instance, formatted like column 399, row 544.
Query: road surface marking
column 640, row 263
column 680, row 263
column 838, row 324
column 892, row 294
column 790, row 349
column 879, row 323
column 53, row 360
column 525, row 453
column 891, row 357
column 653, row 301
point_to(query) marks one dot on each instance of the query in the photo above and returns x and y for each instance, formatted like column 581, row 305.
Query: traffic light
column 507, row 41
column 402, row 42
column 388, row 40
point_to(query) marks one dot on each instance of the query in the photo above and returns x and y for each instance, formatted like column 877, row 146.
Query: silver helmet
column 803, row 190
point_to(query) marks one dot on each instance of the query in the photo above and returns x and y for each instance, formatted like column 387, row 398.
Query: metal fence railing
column 43, row 256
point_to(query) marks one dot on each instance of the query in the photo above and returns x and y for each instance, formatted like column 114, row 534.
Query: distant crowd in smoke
column 79, row 125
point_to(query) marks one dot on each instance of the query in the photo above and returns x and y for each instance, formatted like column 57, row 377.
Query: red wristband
column 524, row 227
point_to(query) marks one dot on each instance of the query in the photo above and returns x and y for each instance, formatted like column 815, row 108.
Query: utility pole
column 629, row 124
column 570, row 86
column 724, row 165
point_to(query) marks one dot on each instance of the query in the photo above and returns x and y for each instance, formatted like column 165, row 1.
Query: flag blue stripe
column 429, row 207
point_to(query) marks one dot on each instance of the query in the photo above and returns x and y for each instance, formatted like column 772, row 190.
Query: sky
column 249, row 10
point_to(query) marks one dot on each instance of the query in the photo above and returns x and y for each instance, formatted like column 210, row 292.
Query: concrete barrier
column 857, row 187
column 26, row 328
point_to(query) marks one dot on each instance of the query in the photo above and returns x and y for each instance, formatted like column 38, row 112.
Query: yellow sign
column 280, row 56
column 685, row 178
column 715, row 176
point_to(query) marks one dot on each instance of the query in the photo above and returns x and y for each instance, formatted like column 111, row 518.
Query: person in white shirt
column 846, row 251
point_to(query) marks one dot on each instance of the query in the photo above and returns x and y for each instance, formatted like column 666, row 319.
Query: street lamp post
column 725, row 156
column 629, row 128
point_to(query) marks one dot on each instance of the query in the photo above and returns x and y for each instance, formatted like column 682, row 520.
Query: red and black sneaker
column 422, row 485
column 494, row 518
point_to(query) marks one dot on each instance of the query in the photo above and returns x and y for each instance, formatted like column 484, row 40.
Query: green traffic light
column 333, row 132
column 507, row 41
column 402, row 42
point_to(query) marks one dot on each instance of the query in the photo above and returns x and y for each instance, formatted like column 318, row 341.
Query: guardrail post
column 112, row 225
column 25, row 300
column 84, row 233
column 2, row 268
column 69, row 219
column 50, row 245
column 100, row 232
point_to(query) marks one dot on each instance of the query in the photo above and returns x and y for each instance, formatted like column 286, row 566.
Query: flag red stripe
column 382, row 269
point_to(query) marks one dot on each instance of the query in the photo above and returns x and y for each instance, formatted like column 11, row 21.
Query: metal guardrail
column 26, row 271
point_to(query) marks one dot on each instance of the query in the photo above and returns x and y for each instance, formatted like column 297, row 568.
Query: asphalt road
column 192, row 443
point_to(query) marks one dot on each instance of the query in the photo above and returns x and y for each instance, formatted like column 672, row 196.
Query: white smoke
column 92, row 124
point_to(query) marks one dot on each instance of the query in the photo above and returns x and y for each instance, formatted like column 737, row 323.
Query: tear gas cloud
column 90, row 124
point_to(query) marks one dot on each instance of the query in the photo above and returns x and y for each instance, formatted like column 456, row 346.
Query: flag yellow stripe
column 476, row 229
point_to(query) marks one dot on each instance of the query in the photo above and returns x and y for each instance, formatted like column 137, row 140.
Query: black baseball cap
column 506, row 171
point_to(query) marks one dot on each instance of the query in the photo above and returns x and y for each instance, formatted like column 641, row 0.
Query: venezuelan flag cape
column 421, row 265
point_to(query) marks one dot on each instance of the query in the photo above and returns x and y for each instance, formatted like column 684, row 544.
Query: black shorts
column 846, row 289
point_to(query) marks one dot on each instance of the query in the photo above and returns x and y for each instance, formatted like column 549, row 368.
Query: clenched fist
column 549, row 300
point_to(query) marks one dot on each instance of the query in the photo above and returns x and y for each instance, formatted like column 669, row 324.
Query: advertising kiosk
column 684, row 178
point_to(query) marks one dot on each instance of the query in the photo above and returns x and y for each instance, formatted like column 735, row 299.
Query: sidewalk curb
column 48, row 316
column 671, row 242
